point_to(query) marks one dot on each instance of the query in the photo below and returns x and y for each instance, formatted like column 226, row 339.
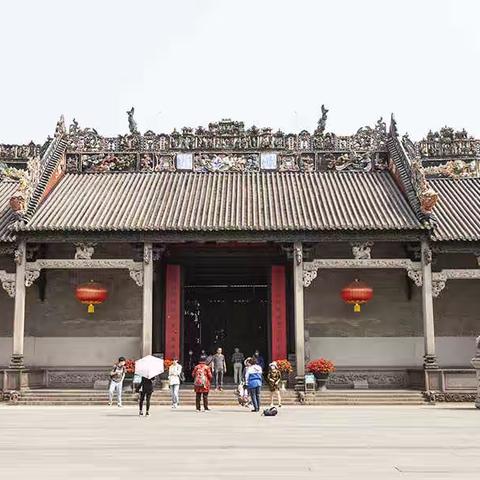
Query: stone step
column 385, row 402
column 225, row 398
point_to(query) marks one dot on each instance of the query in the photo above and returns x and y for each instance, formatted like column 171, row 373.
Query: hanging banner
column 279, row 313
column 172, row 312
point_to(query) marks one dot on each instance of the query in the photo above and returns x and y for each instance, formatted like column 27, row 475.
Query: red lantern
column 357, row 293
column 91, row 293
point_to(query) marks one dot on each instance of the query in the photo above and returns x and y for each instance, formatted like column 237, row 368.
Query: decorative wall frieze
column 439, row 279
column 449, row 143
column 8, row 282
column 33, row 269
column 19, row 152
column 454, row 169
column 223, row 146
column 84, row 251
column 310, row 269
column 362, row 250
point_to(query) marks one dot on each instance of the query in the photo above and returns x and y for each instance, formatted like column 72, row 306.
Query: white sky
column 272, row 63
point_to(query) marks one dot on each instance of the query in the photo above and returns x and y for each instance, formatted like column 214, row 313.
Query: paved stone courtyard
column 232, row 443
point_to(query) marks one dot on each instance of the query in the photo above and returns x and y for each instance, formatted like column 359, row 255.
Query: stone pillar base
column 15, row 379
column 476, row 365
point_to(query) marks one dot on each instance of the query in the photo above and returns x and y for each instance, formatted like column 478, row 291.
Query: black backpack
column 270, row 412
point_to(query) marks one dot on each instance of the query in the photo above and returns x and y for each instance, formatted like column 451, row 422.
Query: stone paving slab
column 112, row 443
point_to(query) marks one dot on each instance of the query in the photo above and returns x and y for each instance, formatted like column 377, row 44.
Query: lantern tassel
column 91, row 308
column 357, row 308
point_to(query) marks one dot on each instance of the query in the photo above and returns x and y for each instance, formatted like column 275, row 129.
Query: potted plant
column 129, row 371
column 285, row 368
column 321, row 368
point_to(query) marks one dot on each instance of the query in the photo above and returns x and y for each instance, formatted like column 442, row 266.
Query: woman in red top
column 202, row 377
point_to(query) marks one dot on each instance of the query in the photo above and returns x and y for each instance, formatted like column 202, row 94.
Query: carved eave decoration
column 439, row 279
column 33, row 269
column 406, row 167
column 33, row 181
column 413, row 269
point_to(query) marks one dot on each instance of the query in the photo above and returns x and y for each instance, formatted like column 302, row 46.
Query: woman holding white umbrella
column 148, row 368
column 146, row 390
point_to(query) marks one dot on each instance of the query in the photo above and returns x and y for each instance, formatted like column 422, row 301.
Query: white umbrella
column 149, row 366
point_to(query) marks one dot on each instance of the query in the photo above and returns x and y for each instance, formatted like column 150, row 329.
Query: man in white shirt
column 174, row 374
column 117, row 374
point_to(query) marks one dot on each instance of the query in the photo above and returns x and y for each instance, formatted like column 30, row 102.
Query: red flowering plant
column 321, row 366
column 130, row 366
column 284, row 366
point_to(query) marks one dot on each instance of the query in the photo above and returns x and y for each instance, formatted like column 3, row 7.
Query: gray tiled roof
column 457, row 212
column 7, row 217
column 187, row 201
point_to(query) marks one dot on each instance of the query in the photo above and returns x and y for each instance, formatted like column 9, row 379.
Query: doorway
column 226, row 316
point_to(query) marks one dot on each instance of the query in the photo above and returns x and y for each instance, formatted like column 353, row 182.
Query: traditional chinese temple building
column 227, row 236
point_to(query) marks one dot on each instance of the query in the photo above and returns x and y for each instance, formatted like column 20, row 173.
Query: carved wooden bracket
column 439, row 279
column 8, row 282
column 310, row 269
column 33, row 269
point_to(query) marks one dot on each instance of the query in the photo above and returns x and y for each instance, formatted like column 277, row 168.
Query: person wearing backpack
column 253, row 379
column 117, row 374
column 202, row 377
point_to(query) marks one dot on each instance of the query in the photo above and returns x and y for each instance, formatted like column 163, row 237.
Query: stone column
column 19, row 312
column 476, row 365
column 430, row 359
column 430, row 365
column 298, row 312
column 147, row 310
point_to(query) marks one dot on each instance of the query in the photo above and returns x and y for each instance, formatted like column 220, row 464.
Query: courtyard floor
column 232, row 443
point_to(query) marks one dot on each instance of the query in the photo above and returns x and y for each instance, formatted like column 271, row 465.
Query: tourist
column 237, row 362
column 274, row 378
column 174, row 374
column 246, row 364
column 190, row 364
column 219, row 368
column 146, row 390
column 202, row 376
column 253, row 379
column 259, row 359
column 117, row 374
